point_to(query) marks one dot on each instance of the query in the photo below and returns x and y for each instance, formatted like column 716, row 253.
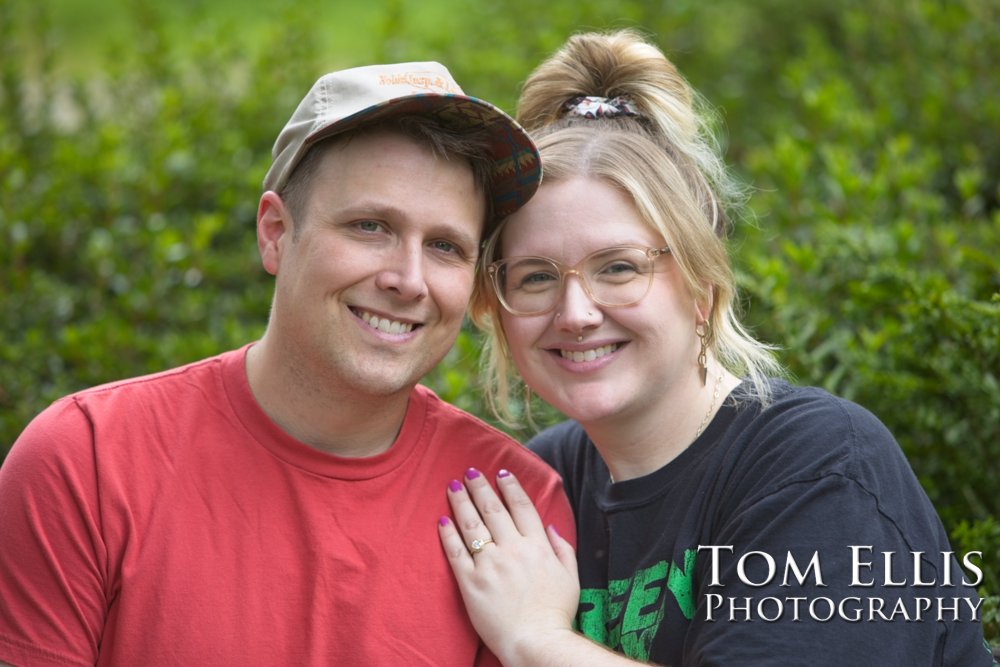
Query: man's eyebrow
column 365, row 209
column 390, row 212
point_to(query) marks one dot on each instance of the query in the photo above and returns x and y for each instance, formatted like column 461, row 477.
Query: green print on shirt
column 627, row 615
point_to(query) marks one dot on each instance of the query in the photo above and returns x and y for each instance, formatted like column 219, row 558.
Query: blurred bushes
column 869, row 131
column 876, row 259
column 127, row 224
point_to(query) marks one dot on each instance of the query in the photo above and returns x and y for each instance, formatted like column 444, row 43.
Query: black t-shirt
column 764, row 543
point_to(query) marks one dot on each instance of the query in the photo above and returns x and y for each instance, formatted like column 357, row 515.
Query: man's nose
column 404, row 273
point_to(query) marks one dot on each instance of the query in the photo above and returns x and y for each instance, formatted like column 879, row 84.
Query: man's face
column 372, row 290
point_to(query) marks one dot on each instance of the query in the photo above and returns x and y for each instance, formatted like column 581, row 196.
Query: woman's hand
column 519, row 580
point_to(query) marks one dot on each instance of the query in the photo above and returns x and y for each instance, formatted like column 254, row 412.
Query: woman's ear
column 274, row 227
column 706, row 304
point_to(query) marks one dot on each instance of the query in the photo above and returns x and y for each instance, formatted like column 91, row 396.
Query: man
column 274, row 504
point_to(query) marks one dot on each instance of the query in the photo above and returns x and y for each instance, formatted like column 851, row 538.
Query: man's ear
column 274, row 229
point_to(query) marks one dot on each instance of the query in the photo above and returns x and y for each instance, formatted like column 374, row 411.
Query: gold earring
column 703, row 353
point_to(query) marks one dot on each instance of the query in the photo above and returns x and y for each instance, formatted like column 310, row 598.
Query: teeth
column 386, row 325
column 588, row 355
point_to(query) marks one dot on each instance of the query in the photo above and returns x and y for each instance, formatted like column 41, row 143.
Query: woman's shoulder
column 807, row 431
column 567, row 449
column 816, row 414
column 557, row 442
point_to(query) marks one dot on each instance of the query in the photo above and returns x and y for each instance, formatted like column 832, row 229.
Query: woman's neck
column 634, row 445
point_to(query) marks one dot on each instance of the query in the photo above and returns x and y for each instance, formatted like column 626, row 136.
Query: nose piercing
column 589, row 314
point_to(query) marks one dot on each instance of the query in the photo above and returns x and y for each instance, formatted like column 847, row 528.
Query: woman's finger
column 519, row 505
column 454, row 548
column 564, row 551
column 487, row 506
column 520, row 582
column 469, row 526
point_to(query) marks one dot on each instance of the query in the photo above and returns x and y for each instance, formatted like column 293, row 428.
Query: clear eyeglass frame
column 497, row 271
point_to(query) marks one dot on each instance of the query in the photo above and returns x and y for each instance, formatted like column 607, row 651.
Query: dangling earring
column 702, row 354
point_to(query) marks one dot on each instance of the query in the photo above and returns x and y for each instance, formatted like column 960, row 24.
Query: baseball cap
column 344, row 100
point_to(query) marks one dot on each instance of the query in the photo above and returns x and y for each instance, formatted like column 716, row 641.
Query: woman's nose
column 577, row 309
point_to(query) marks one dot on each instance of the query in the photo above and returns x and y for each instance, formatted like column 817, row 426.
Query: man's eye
column 445, row 246
column 369, row 225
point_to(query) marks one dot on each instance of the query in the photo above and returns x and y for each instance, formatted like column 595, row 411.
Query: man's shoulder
column 468, row 435
column 189, row 373
column 170, row 391
column 453, row 418
column 120, row 410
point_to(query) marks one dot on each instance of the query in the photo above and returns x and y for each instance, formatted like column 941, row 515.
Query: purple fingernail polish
column 443, row 521
column 471, row 473
column 503, row 473
column 455, row 485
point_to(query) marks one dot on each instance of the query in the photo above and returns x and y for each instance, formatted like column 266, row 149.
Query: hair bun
column 623, row 65
column 609, row 65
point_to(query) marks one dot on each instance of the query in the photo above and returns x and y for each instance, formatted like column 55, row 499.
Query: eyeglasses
column 613, row 277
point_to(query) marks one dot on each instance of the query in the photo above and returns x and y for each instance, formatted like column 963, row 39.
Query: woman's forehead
column 572, row 218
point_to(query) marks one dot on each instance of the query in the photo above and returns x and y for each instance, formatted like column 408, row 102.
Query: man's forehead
column 377, row 151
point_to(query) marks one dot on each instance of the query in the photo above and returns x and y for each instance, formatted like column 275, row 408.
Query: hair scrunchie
column 600, row 107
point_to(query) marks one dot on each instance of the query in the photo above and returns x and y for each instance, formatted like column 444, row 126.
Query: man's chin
column 388, row 380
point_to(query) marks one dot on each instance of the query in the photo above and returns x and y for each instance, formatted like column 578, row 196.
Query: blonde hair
column 666, row 159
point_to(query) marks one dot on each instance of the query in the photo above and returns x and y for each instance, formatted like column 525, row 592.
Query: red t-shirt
column 168, row 520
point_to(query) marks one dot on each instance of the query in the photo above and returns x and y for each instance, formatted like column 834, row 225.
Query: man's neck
column 336, row 420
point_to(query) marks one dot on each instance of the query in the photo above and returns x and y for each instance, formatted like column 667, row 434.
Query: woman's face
column 592, row 362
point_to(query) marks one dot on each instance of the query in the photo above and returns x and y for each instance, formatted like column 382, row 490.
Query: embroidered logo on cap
column 423, row 80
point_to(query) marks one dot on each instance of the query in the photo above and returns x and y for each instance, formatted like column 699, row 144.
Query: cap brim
column 516, row 168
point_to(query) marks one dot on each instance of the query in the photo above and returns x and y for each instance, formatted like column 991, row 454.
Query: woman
column 723, row 517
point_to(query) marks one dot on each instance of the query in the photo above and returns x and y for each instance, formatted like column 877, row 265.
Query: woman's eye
column 537, row 280
column 619, row 268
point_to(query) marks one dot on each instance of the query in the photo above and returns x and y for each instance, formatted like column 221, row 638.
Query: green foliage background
column 133, row 141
